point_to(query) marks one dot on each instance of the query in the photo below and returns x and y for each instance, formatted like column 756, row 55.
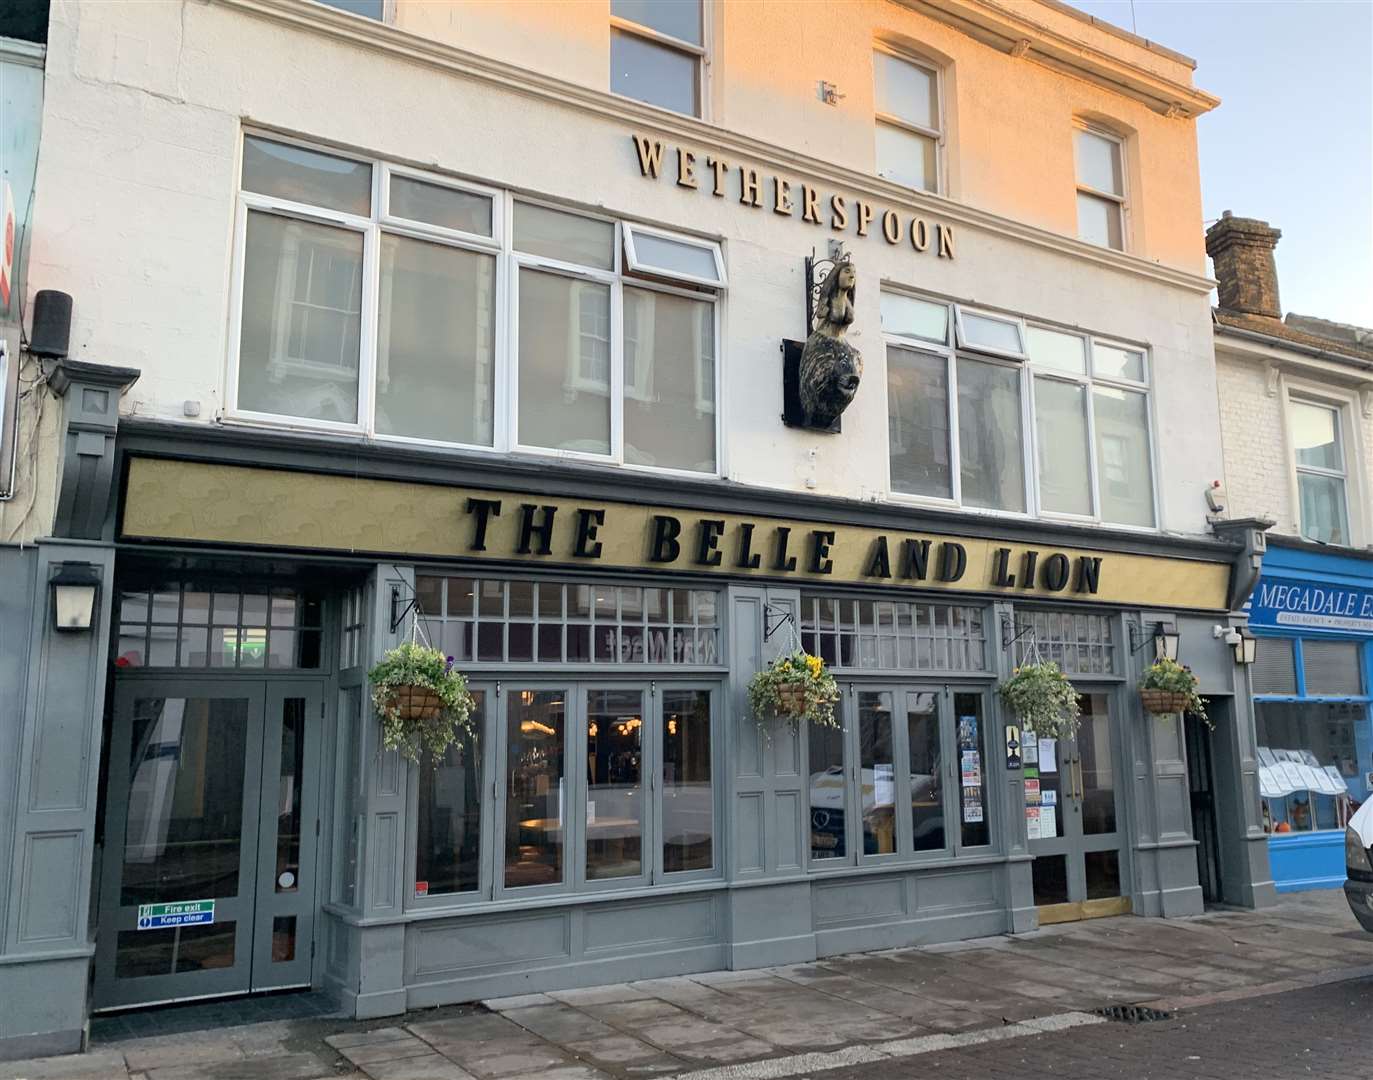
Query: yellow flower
column 815, row 664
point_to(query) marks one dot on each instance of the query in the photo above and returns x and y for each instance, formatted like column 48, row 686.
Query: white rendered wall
column 138, row 175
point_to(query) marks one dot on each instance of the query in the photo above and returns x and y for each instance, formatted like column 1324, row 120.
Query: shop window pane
column 133, row 607
column 688, row 801
column 907, row 157
column 446, row 207
column 909, row 317
column 571, row 238
column 564, row 363
column 669, row 381
column 675, row 18
column 448, row 833
column 1124, row 472
column 990, row 439
column 1332, row 667
column 1324, row 515
column 162, row 643
column 653, row 73
column 614, row 784
column 926, row 771
column 306, row 176
column 878, row 772
column 828, row 792
column 194, row 647
column 1098, row 221
column 302, row 301
column 166, row 606
column 131, row 650
column 184, row 828
column 195, row 607
column 1051, row 349
column 350, row 818
column 918, row 423
column 535, row 802
column 436, row 342
column 972, row 770
column 1065, row 479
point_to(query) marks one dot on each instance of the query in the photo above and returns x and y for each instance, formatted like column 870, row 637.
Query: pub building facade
column 484, row 348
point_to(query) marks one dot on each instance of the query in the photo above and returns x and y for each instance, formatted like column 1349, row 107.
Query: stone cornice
column 636, row 116
column 1012, row 32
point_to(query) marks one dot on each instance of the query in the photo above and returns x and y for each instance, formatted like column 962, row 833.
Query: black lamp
column 74, row 589
column 1165, row 642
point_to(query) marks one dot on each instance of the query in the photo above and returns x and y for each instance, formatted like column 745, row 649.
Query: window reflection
column 927, row 790
column 448, row 845
column 535, row 795
column 878, row 775
column 614, row 777
column 688, row 807
column 828, row 791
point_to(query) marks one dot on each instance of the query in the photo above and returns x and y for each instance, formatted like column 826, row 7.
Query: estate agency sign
column 230, row 504
column 1311, row 605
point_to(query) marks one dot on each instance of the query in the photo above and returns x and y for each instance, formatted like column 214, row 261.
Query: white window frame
column 634, row 263
column 938, row 135
column 508, row 263
column 1121, row 200
column 1028, row 417
column 1088, row 380
column 1348, row 435
column 701, row 54
column 992, row 316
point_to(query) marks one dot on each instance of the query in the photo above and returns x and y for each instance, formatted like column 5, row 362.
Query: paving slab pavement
column 834, row 1013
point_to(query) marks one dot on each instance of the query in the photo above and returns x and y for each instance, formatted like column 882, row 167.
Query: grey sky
column 1292, row 141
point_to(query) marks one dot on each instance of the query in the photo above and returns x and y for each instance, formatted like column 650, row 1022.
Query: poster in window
column 972, row 768
column 972, row 804
column 1032, row 822
column 1032, row 793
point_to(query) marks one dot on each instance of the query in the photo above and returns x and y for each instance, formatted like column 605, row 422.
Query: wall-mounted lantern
column 1165, row 638
column 74, row 588
column 1246, row 648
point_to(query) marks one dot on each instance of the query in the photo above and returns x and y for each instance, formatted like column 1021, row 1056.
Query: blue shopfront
column 1313, row 705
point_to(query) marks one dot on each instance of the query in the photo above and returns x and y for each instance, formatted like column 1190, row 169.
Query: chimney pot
column 1242, row 252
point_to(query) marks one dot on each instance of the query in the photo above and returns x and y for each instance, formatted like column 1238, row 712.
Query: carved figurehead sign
column 808, row 204
column 276, row 509
column 818, row 385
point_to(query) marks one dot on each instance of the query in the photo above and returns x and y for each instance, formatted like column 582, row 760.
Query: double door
column 1072, row 818
column 208, row 880
column 904, row 776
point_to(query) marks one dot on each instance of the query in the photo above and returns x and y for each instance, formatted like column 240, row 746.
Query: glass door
column 1072, row 819
column 181, row 842
column 208, row 880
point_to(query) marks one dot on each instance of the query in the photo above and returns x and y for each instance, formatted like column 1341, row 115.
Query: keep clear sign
column 187, row 913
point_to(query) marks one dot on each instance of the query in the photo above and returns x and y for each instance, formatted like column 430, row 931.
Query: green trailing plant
column 1169, row 687
column 422, row 701
column 1042, row 699
column 795, row 688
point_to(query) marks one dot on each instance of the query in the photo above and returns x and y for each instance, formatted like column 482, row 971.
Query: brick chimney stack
column 1242, row 251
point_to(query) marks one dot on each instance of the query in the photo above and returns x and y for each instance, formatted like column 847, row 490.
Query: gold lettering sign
column 231, row 504
column 749, row 184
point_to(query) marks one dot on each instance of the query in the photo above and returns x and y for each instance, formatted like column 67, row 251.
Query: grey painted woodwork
column 85, row 499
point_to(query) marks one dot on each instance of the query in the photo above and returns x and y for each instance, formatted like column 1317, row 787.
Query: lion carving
column 830, row 368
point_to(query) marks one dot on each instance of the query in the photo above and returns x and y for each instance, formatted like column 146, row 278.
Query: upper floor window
column 1100, row 188
column 657, row 52
column 370, row 9
column 966, row 415
column 909, row 121
column 1319, row 459
column 393, row 303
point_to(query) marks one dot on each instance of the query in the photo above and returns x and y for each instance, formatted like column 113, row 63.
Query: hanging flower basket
column 1042, row 699
column 795, row 688
column 1168, row 688
column 422, row 702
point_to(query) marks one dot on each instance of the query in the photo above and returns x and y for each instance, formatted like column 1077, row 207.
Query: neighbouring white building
column 467, row 321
